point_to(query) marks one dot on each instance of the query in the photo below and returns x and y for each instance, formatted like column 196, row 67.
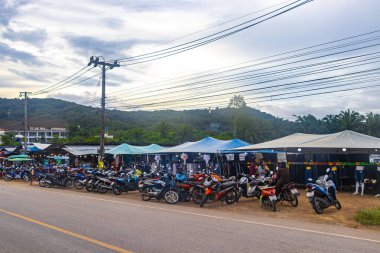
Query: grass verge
column 368, row 216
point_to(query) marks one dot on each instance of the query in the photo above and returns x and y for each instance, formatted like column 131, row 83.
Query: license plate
column 272, row 198
column 294, row 191
column 310, row 194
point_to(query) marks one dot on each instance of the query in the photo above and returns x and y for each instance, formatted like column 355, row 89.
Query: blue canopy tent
column 125, row 149
column 207, row 145
column 151, row 149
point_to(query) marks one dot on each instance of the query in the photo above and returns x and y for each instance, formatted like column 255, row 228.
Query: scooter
column 159, row 189
column 322, row 194
column 248, row 187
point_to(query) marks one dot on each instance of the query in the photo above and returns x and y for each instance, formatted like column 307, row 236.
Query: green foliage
column 369, row 216
column 169, row 127
column 8, row 139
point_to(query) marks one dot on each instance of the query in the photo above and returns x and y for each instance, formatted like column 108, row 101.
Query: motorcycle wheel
column 89, row 187
column 273, row 205
column 197, row 196
column 230, row 197
column 293, row 199
column 317, row 205
column 116, row 189
column 171, row 197
column 204, row 200
column 70, row 184
column 78, row 184
column 41, row 183
column 25, row 177
column 337, row 204
column 102, row 188
column 145, row 194
column 47, row 184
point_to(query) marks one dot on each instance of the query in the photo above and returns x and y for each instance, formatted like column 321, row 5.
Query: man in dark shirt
column 283, row 176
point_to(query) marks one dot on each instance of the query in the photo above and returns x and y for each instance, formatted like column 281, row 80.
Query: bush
column 369, row 216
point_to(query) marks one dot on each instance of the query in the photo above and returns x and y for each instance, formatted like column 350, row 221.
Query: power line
column 199, row 75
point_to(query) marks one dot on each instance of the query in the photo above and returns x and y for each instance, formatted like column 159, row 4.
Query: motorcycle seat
column 264, row 187
column 228, row 184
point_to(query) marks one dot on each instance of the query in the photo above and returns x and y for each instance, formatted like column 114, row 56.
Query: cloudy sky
column 42, row 42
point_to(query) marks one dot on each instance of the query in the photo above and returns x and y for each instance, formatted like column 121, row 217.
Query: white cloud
column 132, row 27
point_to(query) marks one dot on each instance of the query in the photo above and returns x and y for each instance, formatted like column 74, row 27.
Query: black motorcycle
column 62, row 180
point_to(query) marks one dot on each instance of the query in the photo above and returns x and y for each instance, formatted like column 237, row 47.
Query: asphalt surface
column 138, row 226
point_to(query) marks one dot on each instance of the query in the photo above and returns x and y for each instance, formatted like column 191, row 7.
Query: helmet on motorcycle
column 208, row 182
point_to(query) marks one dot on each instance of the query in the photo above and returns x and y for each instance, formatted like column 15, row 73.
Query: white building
column 41, row 134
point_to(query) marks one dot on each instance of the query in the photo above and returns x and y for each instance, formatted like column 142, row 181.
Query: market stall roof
column 177, row 149
column 18, row 156
column 78, row 150
column 206, row 145
column 151, row 149
column 58, row 157
column 235, row 143
column 125, row 149
column 342, row 141
column 41, row 146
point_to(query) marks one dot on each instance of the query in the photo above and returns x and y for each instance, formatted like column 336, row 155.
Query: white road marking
column 236, row 220
column 222, row 218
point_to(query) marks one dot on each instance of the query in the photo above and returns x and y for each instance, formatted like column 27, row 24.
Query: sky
column 43, row 42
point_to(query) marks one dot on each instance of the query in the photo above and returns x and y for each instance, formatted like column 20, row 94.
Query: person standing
column 359, row 178
column 76, row 162
column 378, row 181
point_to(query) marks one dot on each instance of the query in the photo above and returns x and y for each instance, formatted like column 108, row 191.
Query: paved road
column 34, row 219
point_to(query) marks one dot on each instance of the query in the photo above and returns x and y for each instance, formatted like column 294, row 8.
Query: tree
column 164, row 128
column 331, row 123
column 184, row 133
column 373, row 124
column 8, row 139
column 308, row 124
column 350, row 120
column 237, row 101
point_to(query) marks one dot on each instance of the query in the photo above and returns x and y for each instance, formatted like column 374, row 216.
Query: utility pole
column 95, row 60
column 25, row 95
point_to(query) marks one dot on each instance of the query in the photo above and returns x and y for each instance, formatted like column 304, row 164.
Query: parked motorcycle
column 224, row 191
column 268, row 196
column 62, row 180
column 160, row 189
column 248, row 187
column 322, row 194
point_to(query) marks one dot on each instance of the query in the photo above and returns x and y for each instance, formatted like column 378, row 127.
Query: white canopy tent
column 345, row 141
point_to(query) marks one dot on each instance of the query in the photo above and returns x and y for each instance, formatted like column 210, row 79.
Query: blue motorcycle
column 322, row 194
column 160, row 189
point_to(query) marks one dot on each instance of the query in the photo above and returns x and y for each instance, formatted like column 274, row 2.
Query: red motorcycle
column 215, row 190
column 268, row 196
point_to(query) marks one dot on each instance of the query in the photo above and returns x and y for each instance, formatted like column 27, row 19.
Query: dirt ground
column 304, row 212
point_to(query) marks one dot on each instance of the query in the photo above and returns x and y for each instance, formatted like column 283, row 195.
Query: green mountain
column 142, row 127
column 169, row 127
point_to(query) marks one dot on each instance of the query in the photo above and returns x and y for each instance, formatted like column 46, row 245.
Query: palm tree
column 331, row 123
column 163, row 127
column 308, row 124
column 373, row 124
column 350, row 120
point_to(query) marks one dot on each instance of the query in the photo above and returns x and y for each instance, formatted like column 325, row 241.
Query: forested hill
column 169, row 127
